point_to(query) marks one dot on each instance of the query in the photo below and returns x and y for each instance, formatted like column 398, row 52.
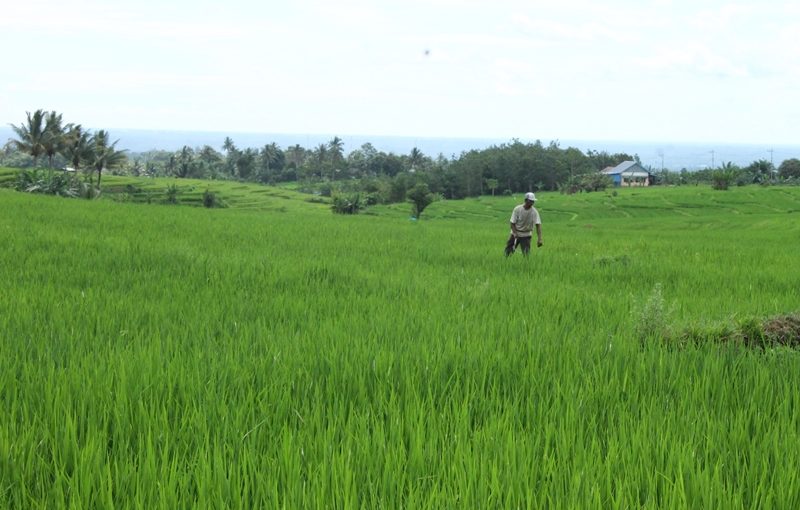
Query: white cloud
column 518, row 79
column 588, row 31
column 721, row 18
column 690, row 59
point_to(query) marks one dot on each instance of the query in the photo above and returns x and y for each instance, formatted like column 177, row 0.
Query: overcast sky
column 659, row 70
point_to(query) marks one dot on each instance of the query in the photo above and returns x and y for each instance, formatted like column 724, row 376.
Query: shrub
column 722, row 179
column 586, row 182
column 51, row 182
column 347, row 204
column 209, row 199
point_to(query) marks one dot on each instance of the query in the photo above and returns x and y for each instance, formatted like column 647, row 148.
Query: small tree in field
column 420, row 197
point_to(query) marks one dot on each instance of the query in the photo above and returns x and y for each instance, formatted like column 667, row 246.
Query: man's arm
column 539, row 241
column 513, row 229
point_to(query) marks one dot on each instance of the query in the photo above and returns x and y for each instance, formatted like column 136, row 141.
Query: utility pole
column 772, row 170
column 712, row 159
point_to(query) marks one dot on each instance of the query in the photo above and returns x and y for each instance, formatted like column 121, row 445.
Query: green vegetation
column 327, row 169
column 45, row 134
column 184, row 357
column 7, row 176
column 188, row 192
column 353, row 180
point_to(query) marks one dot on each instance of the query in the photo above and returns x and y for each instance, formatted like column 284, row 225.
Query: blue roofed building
column 628, row 173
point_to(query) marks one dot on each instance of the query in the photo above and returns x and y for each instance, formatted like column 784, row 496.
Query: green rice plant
column 8, row 177
column 751, row 331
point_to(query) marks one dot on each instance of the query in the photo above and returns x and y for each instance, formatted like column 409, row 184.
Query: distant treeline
column 508, row 168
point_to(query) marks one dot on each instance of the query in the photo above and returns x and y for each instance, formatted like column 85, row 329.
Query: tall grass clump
column 653, row 317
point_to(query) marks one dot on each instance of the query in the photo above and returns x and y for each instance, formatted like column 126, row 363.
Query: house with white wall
column 628, row 173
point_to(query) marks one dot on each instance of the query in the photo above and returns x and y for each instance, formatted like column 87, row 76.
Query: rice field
column 180, row 357
column 239, row 195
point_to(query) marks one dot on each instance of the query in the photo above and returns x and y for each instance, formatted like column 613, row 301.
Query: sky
column 648, row 70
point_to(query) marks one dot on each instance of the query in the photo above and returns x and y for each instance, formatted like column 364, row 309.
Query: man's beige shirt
column 525, row 220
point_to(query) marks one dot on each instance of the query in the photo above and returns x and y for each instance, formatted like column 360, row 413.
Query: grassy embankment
column 170, row 357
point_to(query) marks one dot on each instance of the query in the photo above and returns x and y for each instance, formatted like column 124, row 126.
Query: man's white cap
column 530, row 196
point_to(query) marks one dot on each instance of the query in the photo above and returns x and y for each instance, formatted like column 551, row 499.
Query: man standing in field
column 523, row 219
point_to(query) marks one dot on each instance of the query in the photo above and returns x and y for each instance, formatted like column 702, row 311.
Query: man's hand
column 539, row 243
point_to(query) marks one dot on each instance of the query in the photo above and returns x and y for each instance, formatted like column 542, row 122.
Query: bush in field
column 210, row 199
column 347, row 203
column 50, row 182
column 722, row 178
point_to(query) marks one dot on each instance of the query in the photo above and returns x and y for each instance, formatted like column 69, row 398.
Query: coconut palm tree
column 186, row 163
column 30, row 134
column 415, row 159
column 211, row 161
column 105, row 154
column 232, row 156
column 336, row 147
column 296, row 155
column 269, row 155
column 53, row 136
column 209, row 156
column 78, row 147
column 228, row 146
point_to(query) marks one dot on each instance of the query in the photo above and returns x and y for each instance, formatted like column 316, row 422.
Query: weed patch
column 751, row 332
